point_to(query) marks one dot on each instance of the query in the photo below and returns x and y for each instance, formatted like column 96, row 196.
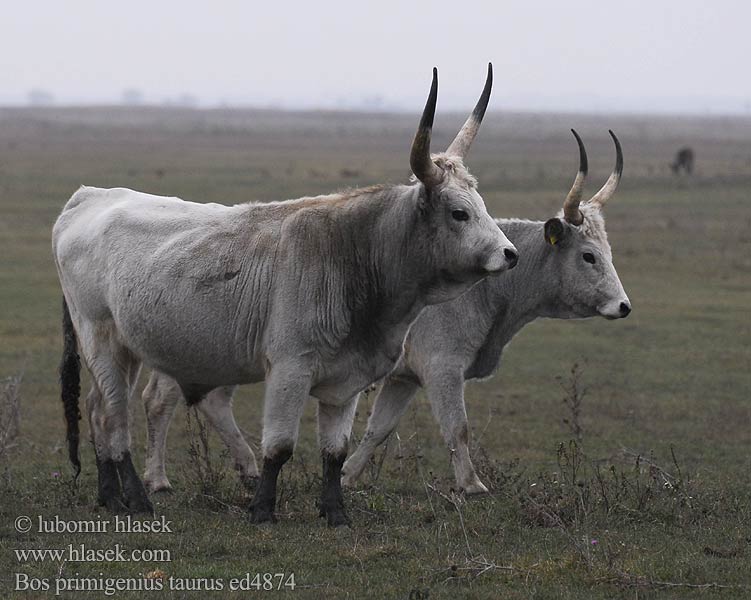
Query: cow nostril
column 511, row 256
column 625, row 309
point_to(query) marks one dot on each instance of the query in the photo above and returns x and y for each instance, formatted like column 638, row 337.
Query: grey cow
column 313, row 295
column 565, row 271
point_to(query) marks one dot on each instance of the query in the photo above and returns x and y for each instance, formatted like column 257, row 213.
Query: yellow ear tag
column 553, row 240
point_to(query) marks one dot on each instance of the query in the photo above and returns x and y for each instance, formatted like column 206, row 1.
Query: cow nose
column 511, row 256
column 625, row 309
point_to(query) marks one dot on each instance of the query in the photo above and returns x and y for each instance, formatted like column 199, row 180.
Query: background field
column 652, row 500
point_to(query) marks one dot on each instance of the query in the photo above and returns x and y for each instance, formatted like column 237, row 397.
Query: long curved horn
column 571, row 211
column 606, row 191
column 463, row 140
column 422, row 165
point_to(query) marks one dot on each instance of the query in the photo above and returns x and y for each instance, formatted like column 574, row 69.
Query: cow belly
column 194, row 342
column 198, row 366
column 346, row 378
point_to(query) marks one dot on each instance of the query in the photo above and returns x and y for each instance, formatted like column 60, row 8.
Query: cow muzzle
column 618, row 309
column 501, row 259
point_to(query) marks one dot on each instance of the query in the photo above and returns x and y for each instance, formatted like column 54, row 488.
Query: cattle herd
column 406, row 286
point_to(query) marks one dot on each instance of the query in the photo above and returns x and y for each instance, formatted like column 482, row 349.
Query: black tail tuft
column 70, row 384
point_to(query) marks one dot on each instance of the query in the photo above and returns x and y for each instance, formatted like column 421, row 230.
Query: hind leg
column 160, row 398
column 109, row 490
column 445, row 388
column 217, row 408
column 115, row 371
column 392, row 400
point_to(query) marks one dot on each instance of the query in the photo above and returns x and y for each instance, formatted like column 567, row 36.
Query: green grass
column 672, row 378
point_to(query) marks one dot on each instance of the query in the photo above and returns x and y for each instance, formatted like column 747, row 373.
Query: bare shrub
column 582, row 494
column 573, row 401
column 295, row 486
column 205, row 469
column 583, row 491
column 10, row 412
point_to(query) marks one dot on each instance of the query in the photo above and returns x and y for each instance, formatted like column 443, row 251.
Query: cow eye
column 589, row 257
column 460, row 215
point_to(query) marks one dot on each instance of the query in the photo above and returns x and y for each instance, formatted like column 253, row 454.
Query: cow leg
column 112, row 474
column 445, row 388
column 109, row 491
column 160, row 398
column 115, row 371
column 390, row 403
column 287, row 388
column 334, row 429
column 217, row 408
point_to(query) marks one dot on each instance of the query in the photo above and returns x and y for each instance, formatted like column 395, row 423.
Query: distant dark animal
column 684, row 160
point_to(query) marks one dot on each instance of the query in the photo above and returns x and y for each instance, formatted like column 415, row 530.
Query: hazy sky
column 682, row 55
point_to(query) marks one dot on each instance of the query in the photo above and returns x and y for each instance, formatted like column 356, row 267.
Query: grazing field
column 640, row 487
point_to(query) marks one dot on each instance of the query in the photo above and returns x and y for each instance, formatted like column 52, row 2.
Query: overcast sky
column 683, row 56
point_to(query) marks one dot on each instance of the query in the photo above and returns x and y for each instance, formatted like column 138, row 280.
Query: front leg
column 264, row 501
column 287, row 387
column 445, row 389
column 334, row 429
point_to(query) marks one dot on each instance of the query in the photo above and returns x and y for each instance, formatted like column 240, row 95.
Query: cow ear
column 555, row 231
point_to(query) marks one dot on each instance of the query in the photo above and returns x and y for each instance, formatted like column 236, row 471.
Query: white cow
column 314, row 296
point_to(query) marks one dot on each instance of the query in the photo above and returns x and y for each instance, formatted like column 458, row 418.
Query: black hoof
column 120, row 488
column 260, row 515
column 140, row 505
column 110, row 491
column 332, row 501
column 134, row 491
column 114, row 505
column 334, row 513
column 136, row 498
column 337, row 518
column 249, row 483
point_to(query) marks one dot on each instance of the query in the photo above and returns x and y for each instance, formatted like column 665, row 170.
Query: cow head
column 588, row 284
column 465, row 243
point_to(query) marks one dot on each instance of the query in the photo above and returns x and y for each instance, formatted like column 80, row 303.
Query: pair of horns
column 571, row 211
column 422, row 165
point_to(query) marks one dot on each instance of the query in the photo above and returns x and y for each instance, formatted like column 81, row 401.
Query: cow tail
column 70, row 386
